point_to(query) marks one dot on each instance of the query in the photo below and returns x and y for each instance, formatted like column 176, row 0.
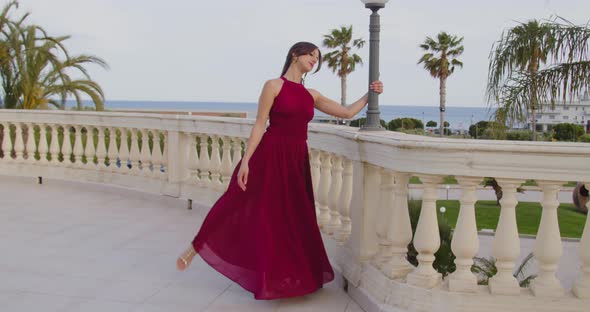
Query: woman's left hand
column 377, row 86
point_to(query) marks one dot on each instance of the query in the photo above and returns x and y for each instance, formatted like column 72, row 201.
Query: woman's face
column 307, row 61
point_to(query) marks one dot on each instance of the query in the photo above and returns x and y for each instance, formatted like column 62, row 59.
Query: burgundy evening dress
column 266, row 238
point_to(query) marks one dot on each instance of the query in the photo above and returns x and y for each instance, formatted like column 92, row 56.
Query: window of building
column 552, row 117
column 566, row 108
column 566, row 117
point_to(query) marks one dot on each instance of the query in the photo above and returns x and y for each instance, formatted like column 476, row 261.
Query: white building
column 576, row 112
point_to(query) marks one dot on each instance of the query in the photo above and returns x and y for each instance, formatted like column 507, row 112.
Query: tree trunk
column 443, row 94
column 534, row 68
column 343, row 92
column 534, row 121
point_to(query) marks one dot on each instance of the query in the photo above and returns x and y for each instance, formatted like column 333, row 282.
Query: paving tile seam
column 25, row 292
column 217, row 297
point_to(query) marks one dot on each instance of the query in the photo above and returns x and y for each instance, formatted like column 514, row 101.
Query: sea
column 458, row 117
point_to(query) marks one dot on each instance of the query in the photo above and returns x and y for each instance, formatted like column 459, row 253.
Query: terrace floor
column 69, row 246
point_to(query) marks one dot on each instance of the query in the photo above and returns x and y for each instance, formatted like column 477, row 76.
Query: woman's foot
column 186, row 258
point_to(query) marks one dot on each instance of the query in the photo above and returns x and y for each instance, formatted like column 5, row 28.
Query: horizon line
column 240, row 102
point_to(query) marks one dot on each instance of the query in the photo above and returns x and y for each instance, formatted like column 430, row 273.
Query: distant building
column 575, row 112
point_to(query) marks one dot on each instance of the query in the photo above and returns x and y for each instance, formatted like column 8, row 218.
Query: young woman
column 262, row 232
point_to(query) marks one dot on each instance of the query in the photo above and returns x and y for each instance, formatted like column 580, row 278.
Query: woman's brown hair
column 301, row 48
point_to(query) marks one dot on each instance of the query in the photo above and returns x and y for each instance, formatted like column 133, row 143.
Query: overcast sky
column 195, row 50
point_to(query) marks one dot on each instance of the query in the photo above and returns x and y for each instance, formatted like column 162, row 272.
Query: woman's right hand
column 243, row 175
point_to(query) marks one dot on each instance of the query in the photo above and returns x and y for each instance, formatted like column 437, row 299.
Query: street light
column 373, row 114
column 442, row 213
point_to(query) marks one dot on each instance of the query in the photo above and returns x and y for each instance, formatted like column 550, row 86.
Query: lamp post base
column 371, row 128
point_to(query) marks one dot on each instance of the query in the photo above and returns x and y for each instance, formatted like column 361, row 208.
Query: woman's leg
column 185, row 259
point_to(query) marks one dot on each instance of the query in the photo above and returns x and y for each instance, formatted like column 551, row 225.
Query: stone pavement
column 81, row 247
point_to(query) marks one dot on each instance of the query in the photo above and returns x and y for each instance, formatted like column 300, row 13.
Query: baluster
column 66, row 147
column 78, row 148
column 226, row 166
column 30, row 146
column 6, row 143
column 90, row 150
column 204, row 161
column 237, row 152
column 193, row 160
column 113, row 152
column 506, row 245
column 19, row 146
column 215, row 164
column 334, row 195
column 124, row 154
column 146, row 154
column 384, row 210
column 581, row 286
column 548, row 244
column 323, row 188
column 465, row 242
column 400, row 229
column 157, row 155
column 43, row 146
column 426, row 238
column 101, row 151
column 367, row 216
column 315, row 176
column 163, row 176
column 344, row 230
column 134, row 153
column 54, row 146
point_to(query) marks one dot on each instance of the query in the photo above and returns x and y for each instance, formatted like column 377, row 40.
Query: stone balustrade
column 360, row 181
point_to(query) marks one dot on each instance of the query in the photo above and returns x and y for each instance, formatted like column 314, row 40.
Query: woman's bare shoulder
column 314, row 93
column 274, row 85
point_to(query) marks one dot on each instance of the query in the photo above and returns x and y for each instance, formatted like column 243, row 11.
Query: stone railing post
column 178, row 171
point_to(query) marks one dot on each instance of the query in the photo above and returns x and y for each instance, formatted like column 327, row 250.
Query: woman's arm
column 333, row 108
column 269, row 92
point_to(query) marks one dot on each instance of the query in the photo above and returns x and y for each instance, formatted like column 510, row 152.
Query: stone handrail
column 360, row 182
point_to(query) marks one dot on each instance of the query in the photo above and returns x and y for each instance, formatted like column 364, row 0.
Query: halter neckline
column 285, row 79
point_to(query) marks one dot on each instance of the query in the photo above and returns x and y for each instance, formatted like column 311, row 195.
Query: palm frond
column 441, row 54
column 340, row 61
column 37, row 68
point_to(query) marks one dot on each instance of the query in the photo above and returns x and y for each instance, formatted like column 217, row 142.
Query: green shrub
column 444, row 262
column 584, row 138
column 405, row 123
column 361, row 121
column 567, row 132
column 519, row 135
column 431, row 124
column 478, row 130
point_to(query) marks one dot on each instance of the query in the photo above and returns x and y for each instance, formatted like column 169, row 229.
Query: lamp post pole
column 373, row 114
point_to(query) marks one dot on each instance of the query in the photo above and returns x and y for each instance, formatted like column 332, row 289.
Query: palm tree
column 341, row 61
column 45, row 79
column 516, row 82
column 42, row 78
column 34, row 74
column 440, row 61
column 522, row 48
column 6, row 71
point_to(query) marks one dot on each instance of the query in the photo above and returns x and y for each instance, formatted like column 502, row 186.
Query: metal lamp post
column 373, row 114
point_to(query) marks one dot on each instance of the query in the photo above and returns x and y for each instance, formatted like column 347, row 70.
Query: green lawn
column 528, row 217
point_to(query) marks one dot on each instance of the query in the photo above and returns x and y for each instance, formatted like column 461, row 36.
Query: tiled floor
column 80, row 247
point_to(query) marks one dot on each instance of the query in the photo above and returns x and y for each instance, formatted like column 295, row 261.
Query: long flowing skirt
column 266, row 238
